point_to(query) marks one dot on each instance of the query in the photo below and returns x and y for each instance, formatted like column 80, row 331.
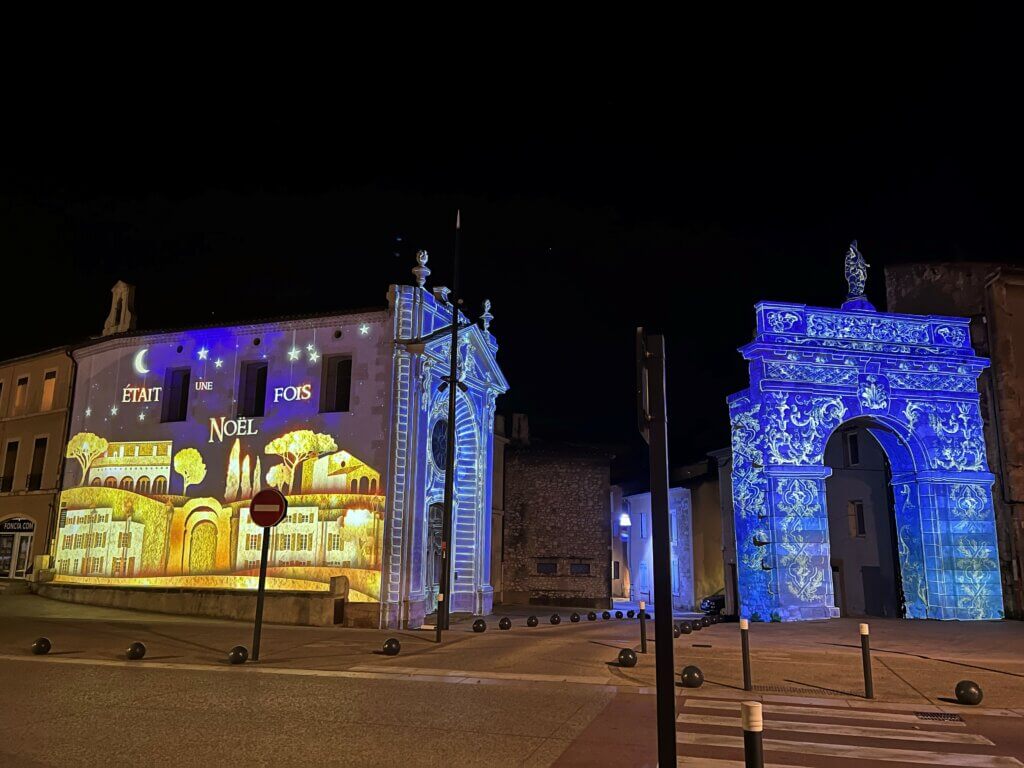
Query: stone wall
column 557, row 510
column 992, row 295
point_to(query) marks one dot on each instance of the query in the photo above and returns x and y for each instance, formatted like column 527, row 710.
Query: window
column 615, row 569
column 579, row 569
column 252, row 389
column 675, row 575
column 852, row 449
column 643, row 525
column 284, row 542
column 547, row 569
column 21, row 395
column 142, row 485
column 858, row 525
column 253, row 540
column 336, row 385
column 176, row 384
column 10, row 463
column 124, row 540
column 126, row 483
column 160, row 484
column 110, row 482
column 35, row 478
column 49, row 389
column 672, row 526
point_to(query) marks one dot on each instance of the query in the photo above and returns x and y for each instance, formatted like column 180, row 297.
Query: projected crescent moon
column 140, row 361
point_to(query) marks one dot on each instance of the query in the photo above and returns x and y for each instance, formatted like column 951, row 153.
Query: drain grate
column 942, row 717
column 795, row 689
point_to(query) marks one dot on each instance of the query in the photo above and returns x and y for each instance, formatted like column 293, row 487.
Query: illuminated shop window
column 336, row 385
column 49, row 388
column 176, row 386
column 252, row 389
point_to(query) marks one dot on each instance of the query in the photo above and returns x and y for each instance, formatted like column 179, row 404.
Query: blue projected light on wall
column 912, row 381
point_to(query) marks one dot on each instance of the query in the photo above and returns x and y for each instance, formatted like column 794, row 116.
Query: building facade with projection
column 172, row 433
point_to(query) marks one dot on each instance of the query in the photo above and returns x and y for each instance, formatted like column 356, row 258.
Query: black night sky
column 672, row 183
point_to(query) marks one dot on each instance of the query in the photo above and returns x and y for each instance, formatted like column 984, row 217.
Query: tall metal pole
column 261, row 591
column 444, row 607
column 664, row 663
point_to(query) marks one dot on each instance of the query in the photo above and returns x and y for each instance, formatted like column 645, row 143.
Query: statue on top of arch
column 856, row 269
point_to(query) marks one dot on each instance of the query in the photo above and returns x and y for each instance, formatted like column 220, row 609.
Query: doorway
column 433, row 581
column 16, row 548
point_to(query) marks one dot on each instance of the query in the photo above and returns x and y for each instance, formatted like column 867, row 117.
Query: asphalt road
column 550, row 695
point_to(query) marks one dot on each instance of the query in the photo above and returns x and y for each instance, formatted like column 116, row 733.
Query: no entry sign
column 268, row 508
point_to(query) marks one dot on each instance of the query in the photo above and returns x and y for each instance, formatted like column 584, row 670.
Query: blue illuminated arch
column 912, row 381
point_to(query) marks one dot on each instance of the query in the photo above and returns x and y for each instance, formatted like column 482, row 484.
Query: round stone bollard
column 647, row 616
column 618, row 614
column 574, row 618
column 629, row 614
column 675, row 630
column 969, row 692
column 691, row 677
column 392, row 647
column 627, row 657
column 605, row 615
column 41, row 646
column 505, row 623
column 135, row 651
column 238, row 655
column 705, row 622
column 684, row 628
column 591, row 616
column 556, row 619
column 532, row 621
column 479, row 625
column 696, row 625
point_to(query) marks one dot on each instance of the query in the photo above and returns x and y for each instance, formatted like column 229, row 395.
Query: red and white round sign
column 268, row 508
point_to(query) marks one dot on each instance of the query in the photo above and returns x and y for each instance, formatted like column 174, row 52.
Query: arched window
column 110, row 482
column 96, row 481
column 353, row 486
column 126, row 483
column 160, row 484
column 142, row 485
column 364, row 484
column 373, row 485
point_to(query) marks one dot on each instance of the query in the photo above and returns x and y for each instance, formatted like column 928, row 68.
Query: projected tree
column 85, row 448
column 189, row 464
column 294, row 448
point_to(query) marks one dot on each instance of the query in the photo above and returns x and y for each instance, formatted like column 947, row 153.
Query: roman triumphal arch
column 912, row 380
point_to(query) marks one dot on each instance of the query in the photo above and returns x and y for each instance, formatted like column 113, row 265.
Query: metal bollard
column 753, row 726
column 748, row 685
column 643, row 627
column 865, row 652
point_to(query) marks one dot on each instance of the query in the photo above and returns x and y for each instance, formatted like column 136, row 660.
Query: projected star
column 218, row 363
column 88, row 411
column 364, row 329
column 309, row 347
column 142, row 417
column 314, row 356
column 113, row 410
column 203, row 352
column 293, row 353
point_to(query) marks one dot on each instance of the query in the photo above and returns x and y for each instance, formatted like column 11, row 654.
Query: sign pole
column 266, row 509
column 651, row 408
column 260, row 591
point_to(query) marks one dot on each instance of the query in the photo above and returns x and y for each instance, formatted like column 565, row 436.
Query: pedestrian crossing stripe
column 864, row 732
column 845, row 714
column 856, row 751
